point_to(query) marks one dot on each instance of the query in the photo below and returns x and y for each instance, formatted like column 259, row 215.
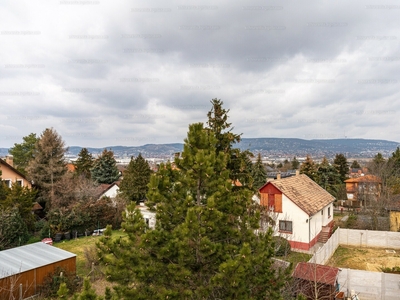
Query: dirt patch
column 368, row 259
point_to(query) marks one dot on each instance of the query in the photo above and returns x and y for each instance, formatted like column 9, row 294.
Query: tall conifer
column 204, row 245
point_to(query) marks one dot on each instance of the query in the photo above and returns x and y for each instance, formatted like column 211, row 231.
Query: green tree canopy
column 84, row 163
column 48, row 166
column 204, row 245
column 136, row 178
column 295, row 163
column 238, row 161
column 23, row 153
column 259, row 174
column 342, row 166
column 328, row 177
column 355, row 165
column 105, row 168
column 309, row 168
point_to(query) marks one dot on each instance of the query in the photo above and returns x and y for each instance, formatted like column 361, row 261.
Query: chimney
column 278, row 176
column 297, row 172
column 10, row 160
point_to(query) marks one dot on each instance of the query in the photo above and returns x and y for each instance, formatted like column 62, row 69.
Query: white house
column 148, row 216
column 109, row 190
column 300, row 208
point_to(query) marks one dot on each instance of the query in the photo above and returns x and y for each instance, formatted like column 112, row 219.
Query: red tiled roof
column 304, row 192
column 366, row 178
column 316, row 272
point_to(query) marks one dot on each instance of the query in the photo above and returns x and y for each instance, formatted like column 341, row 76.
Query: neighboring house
column 23, row 270
column 148, row 216
column 109, row 190
column 10, row 175
column 301, row 210
column 316, row 281
column 362, row 190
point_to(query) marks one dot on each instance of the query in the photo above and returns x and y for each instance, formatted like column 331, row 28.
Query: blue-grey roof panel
column 25, row 258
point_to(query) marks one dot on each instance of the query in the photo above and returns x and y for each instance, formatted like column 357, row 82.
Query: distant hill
column 266, row 146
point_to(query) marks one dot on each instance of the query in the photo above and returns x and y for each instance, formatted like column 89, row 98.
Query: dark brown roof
column 304, row 192
column 36, row 206
column 316, row 272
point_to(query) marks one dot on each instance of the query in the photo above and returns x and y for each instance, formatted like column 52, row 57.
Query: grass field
column 78, row 247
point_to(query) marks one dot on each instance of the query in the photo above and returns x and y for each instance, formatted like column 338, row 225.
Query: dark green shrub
column 282, row 246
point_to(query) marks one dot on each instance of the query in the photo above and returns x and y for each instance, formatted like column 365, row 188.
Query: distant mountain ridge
column 266, row 146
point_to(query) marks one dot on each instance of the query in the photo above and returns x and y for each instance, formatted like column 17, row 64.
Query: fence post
column 20, row 291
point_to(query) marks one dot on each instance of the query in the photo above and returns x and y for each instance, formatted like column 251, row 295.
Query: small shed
column 23, row 269
column 316, row 281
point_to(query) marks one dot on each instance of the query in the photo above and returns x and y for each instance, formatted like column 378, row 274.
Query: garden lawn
column 78, row 247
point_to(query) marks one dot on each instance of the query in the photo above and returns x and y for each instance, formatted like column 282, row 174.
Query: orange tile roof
column 366, row 178
column 304, row 192
column 71, row 167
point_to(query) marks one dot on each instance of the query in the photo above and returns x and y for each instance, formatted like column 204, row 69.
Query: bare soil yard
column 368, row 259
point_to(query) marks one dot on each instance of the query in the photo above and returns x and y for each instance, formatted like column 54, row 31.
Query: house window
column 19, row 182
column 285, row 226
column 7, row 182
column 322, row 212
column 329, row 212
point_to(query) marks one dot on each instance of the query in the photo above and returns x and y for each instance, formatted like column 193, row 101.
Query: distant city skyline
column 133, row 73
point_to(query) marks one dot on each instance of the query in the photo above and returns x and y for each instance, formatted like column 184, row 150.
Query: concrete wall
column 369, row 285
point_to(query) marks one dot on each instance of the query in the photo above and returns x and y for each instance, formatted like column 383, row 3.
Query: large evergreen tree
column 259, row 174
column 328, row 177
column 136, row 178
column 342, row 166
column 204, row 245
column 295, row 163
column 105, row 168
column 23, row 153
column 238, row 161
column 355, row 165
column 48, row 166
column 84, row 163
column 309, row 168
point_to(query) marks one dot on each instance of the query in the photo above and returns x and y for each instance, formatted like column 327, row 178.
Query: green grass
column 78, row 246
column 296, row 257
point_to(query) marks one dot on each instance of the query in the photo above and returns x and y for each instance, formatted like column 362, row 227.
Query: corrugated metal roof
column 25, row 258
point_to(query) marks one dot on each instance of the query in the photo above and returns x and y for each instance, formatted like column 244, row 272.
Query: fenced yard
column 370, row 284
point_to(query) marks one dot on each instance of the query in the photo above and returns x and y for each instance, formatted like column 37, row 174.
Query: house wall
column 305, row 229
column 32, row 280
column 9, row 174
column 112, row 192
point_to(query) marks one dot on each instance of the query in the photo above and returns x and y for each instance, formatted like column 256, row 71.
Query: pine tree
column 295, row 163
column 342, row 166
column 48, row 166
column 23, row 153
column 105, row 168
column 63, row 291
column 355, row 165
column 204, row 245
column 84, row 163
column 259, row 174
column 22, row 198
column 88, row 293
column 238, row 161
column 136, row 178
column 328, row 177
column 309, row 168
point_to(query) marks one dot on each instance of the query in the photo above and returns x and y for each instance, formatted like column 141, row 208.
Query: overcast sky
column 106, row 73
